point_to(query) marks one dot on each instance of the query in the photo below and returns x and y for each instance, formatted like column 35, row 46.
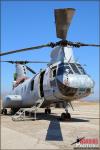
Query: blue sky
column 31, row 23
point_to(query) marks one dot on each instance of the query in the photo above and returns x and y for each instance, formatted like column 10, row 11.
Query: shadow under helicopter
column 54, row 130
column 53, row 117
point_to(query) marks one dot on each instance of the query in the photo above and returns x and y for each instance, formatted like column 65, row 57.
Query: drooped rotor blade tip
column 26, row 62
column 24, row 49
column 63, row 19
column 23, row 61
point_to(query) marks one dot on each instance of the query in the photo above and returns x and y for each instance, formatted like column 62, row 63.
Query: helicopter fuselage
column 58, row 82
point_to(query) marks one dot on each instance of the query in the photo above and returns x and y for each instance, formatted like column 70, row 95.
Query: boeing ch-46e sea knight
column 64, row 79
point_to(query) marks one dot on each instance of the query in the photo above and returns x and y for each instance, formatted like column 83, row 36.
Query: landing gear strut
column 14, row 110
column 66, row 116
column 47, row 110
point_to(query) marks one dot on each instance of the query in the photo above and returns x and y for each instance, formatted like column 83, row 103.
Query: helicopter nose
column 72, row 85
column 80, row 81
column 77, row 81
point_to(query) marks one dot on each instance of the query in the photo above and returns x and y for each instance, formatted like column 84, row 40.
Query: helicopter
column 63, row 80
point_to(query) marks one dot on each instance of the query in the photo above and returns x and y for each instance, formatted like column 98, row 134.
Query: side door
column 53, row 82
column 41, row 84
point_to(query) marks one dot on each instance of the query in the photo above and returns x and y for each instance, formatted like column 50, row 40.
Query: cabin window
column 32, row 85
column 54, row 72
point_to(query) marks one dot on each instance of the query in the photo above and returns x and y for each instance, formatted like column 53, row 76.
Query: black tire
column 49, row 111
column 1, row 112
column 63, row 116
column 68, row 116
column 46, row 111
column 5, row 111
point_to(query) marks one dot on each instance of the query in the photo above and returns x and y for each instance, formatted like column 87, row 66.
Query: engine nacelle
column 12, row 101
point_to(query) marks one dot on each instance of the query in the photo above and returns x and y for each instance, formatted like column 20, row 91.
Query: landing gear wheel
column 65, row 116
column 1, row 112
column 4, row 111
column 47, row 111
column 68, row 116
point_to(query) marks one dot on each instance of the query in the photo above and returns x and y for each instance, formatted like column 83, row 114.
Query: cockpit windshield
column 81, row 69
column 74, row 67
column 64, row 68
column 70, row 68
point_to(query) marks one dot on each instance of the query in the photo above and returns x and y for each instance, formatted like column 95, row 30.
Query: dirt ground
column 48, row 132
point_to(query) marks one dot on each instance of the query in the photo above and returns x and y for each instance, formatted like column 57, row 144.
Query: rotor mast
column 63, row 19
column 63, row 54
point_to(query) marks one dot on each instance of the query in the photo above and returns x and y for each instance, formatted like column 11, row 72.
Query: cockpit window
column 75, row 69
column 81, row 69
column 64, row 68
column 70, row 68
column 54, row 72
column 54, row 69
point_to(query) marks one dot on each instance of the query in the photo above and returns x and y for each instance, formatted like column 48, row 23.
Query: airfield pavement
column 47, row 132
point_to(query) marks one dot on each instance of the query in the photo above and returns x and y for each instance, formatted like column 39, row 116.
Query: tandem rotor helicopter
column 64, row 79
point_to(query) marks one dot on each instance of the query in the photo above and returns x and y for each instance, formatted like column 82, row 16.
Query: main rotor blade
column 82, row 44
column 8, row 61
column 31, row 70
column 24, row 62
column 63, row 19
column 62, row 43
column 24, row 49
column 65, row 43
column 78, row 44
